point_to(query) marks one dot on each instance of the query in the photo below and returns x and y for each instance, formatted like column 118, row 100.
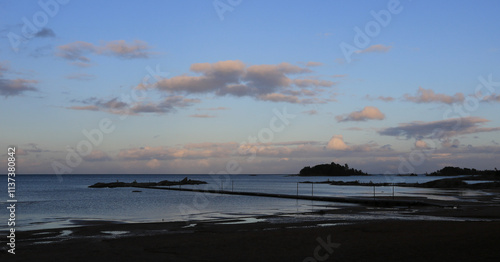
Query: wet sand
column 277, row 239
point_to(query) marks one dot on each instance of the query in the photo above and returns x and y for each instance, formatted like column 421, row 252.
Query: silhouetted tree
column 331, row 169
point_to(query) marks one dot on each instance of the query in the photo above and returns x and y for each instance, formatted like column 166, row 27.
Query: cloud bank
column 115, row 106
column 429, row 96
column 14, row 87
column 234, row 78
column 78, row 51
column 439, row 129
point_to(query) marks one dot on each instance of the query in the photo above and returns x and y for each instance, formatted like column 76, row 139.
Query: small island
column 184, row 181
column 458, row 171
column 485, row 179
column 332, row 169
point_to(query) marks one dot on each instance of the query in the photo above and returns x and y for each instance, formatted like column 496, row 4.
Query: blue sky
column 269, row 86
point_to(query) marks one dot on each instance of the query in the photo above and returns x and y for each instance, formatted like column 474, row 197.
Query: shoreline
column 367, row 240
column 318, row 207
column 470, row 233
column 445, row 230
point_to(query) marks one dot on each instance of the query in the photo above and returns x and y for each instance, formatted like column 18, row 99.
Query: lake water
column 44, row 201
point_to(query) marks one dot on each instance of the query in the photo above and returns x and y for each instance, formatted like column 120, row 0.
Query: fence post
column 392, row 190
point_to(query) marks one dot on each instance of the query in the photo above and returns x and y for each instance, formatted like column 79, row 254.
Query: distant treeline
column 332, row 169
column 457, row 171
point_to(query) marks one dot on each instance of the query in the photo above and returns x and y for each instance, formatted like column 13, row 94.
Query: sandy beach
column 472, row 233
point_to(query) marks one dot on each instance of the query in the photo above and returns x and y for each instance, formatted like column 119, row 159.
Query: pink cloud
column 311, row 64
column 232, row 77
column 79, row 51
column 429, row 96
column 375, row 49
column 367, row 113
column 337, row 143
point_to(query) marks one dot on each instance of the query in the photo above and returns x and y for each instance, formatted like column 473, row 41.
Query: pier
column 364, row 201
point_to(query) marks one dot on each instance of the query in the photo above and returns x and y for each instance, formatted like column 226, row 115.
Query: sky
column 248, row 87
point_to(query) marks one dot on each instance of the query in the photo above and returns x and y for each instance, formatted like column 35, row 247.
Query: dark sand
column 291, row 239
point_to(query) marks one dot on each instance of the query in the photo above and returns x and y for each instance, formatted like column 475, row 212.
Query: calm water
column 46, row 202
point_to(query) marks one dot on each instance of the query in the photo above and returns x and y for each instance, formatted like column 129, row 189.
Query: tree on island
column 457, row 171
column 454, row 171
column 331, row 169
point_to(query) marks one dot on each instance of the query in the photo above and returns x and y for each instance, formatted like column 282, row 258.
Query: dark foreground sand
column 387, row 240
column 373, row 241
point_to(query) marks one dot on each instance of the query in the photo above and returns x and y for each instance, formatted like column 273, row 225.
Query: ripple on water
column 115, row 233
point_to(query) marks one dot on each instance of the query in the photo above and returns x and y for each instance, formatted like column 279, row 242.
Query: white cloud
column 375, row 49
column 381, row 98
column 14, row 87
column 189, row 151
column 337, row 143
column 439, row 129
column 313, row 82
column 429, row 96
column 115, row 106
column 78, row 51
column 276, row 97
column 491, row 98
column 367, row 113
column 421, row 144
column 234, row 78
